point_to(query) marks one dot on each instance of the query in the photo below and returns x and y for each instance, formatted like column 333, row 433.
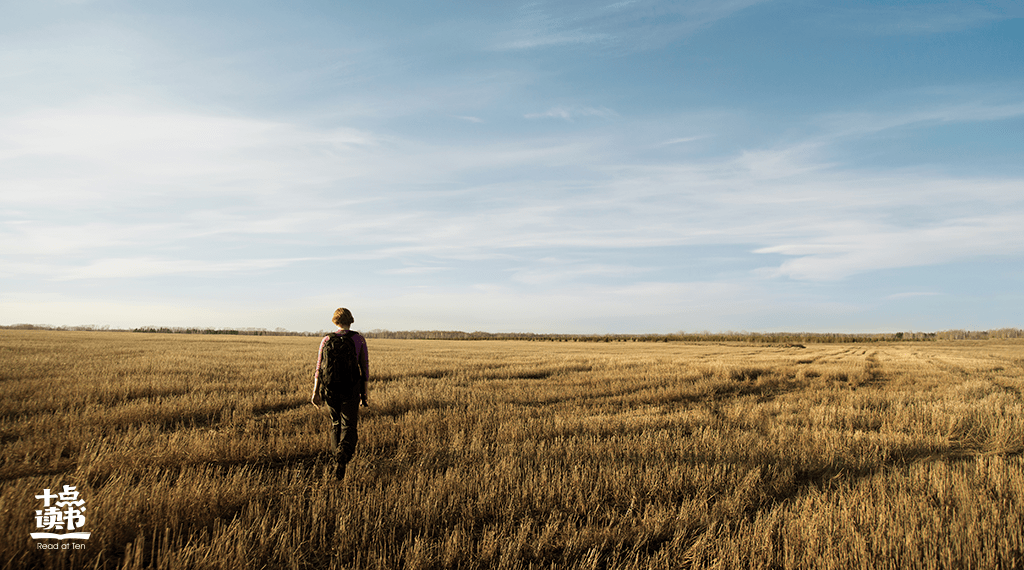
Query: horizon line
column 1009, row 332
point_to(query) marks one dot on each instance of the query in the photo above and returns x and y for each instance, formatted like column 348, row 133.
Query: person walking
column 340, row 379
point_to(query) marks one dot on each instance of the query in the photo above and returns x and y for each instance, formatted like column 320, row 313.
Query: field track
column 202, row 451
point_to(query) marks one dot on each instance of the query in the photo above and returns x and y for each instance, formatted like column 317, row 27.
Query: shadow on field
column 827, row 479
column 307, row 462
column 400, row 408
column 22, row 470
column 268, row 409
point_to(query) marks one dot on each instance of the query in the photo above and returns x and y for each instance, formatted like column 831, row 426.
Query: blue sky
column 580, row 167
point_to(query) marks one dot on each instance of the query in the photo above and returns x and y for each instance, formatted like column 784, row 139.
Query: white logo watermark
column 66, row 513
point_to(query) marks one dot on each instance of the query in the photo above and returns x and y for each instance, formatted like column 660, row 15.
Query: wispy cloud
column 911, row 295
column 542, row 38
column 570, row 113
column 466, row 162
column 135, row 268
column 82, row 153
column 590, row 307
column 926, row 18
column 414, row 270
column 266, row 184
column 625, row 25
column 70, row 309
column 922, row 115
column 860, row 248
column 549, row 271
column 681, row 140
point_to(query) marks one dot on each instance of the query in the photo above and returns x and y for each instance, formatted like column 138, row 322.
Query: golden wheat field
column 202, row 451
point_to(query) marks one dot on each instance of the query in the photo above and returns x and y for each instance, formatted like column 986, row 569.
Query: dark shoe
column 339, row 472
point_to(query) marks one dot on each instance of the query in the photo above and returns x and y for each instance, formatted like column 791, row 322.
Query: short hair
column 343, row 317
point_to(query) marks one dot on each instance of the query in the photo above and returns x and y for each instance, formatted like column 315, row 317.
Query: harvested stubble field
column 203, row 452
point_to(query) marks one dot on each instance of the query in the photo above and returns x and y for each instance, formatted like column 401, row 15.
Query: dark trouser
column 345, row 419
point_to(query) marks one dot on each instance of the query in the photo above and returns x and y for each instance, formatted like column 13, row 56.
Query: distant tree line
column 765, row 338
column 250, row 332
column 730, row 336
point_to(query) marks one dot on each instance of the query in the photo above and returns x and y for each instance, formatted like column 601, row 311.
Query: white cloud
column 926, row 18
column 541, row 38
column 681, row 140
column 772, row 164
column 863, row 248
column 134, row 268
column 153, row 193
column 328, row 149
column 590, row 308
column 550, row 271
column 624, row 26
column 72, row 310
column 570, row 113
column 855, row 124
column 223, row 186
column 414, row 270
column 77, row 154
column 911, row 294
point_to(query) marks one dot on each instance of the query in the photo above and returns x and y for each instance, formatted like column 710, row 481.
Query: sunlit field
column 202, row 451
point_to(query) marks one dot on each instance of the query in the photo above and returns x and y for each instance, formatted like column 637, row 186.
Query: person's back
column 340, row 374
column 339, row 380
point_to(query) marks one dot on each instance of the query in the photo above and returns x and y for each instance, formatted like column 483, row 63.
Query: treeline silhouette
column 729, row 336
column 251, row 331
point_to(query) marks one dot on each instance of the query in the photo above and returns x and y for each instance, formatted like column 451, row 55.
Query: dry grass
column 203, row 452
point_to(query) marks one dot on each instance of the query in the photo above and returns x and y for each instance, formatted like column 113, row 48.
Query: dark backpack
column 340, row 377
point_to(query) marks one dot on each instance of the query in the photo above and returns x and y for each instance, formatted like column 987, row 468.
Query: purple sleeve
column 364, row 359
column 319, row 357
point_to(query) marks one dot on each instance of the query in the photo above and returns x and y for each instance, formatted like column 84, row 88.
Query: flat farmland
column 202, row 451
